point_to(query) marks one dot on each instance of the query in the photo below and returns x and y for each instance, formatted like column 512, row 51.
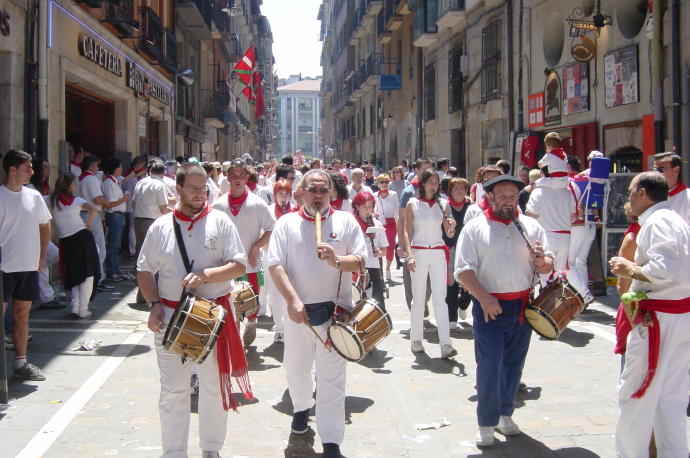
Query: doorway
column 89, row 121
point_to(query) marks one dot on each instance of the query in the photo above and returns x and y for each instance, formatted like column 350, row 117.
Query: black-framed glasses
column 318, row 190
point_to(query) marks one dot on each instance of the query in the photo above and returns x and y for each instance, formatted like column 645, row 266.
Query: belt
column 141, row 217
column 121, row 213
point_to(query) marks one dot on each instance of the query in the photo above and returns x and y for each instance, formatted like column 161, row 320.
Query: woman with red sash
column 428, row 258
column 387, row 208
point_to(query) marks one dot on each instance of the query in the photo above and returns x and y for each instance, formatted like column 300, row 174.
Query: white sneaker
column 507, row 426
column 417, row 346
column 462, row 314
column 447, row 351
column 485, row 436
column 388, row 275
column 453, row 325
column 84, row 314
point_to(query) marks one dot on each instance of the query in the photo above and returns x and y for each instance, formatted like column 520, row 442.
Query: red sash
column 523, row 296
column 446, row 251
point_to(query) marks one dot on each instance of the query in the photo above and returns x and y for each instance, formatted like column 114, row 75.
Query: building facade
column 299, row 118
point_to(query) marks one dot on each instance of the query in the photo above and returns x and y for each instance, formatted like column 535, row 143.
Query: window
column 430, row 92
column 491, row 61
column 455, row 77
column 305, row 104
column 305, row 142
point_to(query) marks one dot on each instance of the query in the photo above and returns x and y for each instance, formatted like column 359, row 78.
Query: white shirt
column 472, row 212
column 67, row 219
column 680, row 203
column 20, row 214
column 112, row 192
column 346, row 206
column 554, row 207
column 89, row 189
column 427, row 224
column 213, row 191
column 252, row 221
column 293, row 246
column 224, row 186
column 353, row 192
column 663, row 251
column 265, row 192
column 387, row 207
column 75, row 170
column 128, row 187
column 212, row 242
column 479, row 192
column 149, row 195
column 379, row 241
column 170, row 184
column 497, row 253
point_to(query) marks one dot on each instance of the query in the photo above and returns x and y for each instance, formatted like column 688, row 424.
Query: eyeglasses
column 196, row 190
column 384, row 182
column 660, row 169
column 318, row 190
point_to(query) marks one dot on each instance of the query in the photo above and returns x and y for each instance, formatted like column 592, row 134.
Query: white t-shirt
column 380, row 241
column 265, row 192
column 353, row 192
column 346, row 206
column 252, row 221
column 497, row 253
column 224, row 186
column 75, row 170
column 89, row 189
column 67, row 219
column 293, row 246
column 680, row 203
column 149, row 195
column 212, row 242
column 427, row 223
column 554, row 207
column 112, row 192
column 128, row 186
column 387, row 207
column 20, row 214
column 213, row 192
column 170, row 184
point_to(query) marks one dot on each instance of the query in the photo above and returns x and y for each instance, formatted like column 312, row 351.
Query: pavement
column 104, row 401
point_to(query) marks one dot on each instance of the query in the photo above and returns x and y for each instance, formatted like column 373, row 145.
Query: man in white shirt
column 135, row 174
column 215, row 252
column 254, row 223
column 75, row 163
column 90, row 189
column 653, row 389
column 307, row 275
column 24, row 236
column 671, row 167
column 169, row 178
column 114, row 216
column 150, row 201
column 496, row 266
column 358, row 184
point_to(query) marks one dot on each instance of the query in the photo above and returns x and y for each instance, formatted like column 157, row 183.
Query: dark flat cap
column 488, row 186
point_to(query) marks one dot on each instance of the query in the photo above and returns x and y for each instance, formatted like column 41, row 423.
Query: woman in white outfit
column 422, row 236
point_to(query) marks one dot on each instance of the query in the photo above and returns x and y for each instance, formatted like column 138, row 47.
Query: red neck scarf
column 85, row 174
column 311, row 219
column 45, row 188
column 455, row 203
column 251, row 185
column 279, row 210
column 431, row 202
column 484, row 203
column 491, row 216
column 337, row 203
column 66, row 199
column 415, row 182
column 383, row 194
column 182, row 217
column 363, row 225
column 110, row 177
column 236, row 203
column 680, row 187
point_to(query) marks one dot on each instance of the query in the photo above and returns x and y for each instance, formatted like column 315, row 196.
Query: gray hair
column 324, row 174
column 358, row 170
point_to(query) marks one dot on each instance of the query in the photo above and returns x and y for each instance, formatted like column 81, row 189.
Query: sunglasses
column 384, row 182
column 318, row 190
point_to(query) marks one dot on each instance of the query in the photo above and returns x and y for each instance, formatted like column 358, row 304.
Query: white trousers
column 45, row 290
column 174, row 402
column 663, row 407
column 81, row 295
column 131, row 237
column 98, row 235
column 302, row 351
column 581, row 238
column 431, row 263
column 559, row 245
column 276, row 303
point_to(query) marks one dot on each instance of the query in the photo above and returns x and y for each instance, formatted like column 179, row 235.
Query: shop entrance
column 90, row 121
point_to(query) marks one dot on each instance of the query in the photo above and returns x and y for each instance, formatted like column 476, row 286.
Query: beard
column 505, row 212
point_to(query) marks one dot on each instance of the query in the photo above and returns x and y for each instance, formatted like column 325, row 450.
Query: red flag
column 244, row 69
column 258, row 95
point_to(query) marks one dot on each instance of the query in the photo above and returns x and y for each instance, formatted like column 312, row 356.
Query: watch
column 337, row 262
column 154, row 303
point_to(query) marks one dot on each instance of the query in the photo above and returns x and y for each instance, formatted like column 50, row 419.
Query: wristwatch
column 337, row 262
column 154, row 303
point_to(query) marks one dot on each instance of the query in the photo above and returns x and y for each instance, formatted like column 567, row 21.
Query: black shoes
column 300, row 422
column 331, row 451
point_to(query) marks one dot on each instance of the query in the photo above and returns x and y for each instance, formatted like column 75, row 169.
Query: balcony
column 389, row 78
column 152, row 34
column 384, row 35
column 217, row 111
column 373, row 7
column 197, row 15
column 170, row 51
column 392, row 19
column 230, row 45
column 450, row 13
column 425, row 29
column 121, row 16
column 402, row 7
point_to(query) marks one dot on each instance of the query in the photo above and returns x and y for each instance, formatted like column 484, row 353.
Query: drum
column 356, row 333
column 245, row 300
column 194, row 328
column 557, row 304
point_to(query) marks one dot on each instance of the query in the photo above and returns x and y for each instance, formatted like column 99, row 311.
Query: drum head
column 542, row 323
column 173, row 329
column 346, row 342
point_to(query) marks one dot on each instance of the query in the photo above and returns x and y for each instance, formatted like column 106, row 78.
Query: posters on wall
column 535, row 110
column 576, row 88
column 621, row 76
column 552, row 99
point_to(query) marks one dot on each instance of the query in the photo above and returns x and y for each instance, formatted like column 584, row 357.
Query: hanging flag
column 244, row 68
column 258, row 95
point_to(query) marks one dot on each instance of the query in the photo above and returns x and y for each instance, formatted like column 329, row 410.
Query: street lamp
column 186, row 75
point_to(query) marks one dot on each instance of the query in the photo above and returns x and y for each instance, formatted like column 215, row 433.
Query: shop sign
column 535, row 110
column 102, row 56
column 552, row 99
column 145, row 87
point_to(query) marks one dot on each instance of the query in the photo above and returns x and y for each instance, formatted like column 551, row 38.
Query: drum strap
column 180, row 245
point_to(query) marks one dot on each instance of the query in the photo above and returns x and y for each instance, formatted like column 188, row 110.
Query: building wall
column 12, row 60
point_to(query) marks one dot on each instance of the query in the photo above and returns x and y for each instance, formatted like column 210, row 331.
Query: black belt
column 140, row 217
column 121, row 213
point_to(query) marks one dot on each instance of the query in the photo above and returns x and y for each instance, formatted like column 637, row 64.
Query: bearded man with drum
column 494, row 263
column 314, row 278
column 216, row 257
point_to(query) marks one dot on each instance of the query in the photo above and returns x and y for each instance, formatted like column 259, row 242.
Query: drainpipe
column 657, row 81
column 43, row 123
column 30, row 80
column 676, row 76
column 520, row 101
column 511, row 87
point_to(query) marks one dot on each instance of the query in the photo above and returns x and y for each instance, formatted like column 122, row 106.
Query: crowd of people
column 457, row 244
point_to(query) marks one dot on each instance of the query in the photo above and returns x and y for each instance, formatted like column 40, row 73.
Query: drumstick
column 522, row 233
column 317, row 334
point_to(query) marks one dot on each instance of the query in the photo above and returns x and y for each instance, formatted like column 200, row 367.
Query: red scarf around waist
column 522, row 296
column 623, row 328
column 230, row 356
column 446, row 252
